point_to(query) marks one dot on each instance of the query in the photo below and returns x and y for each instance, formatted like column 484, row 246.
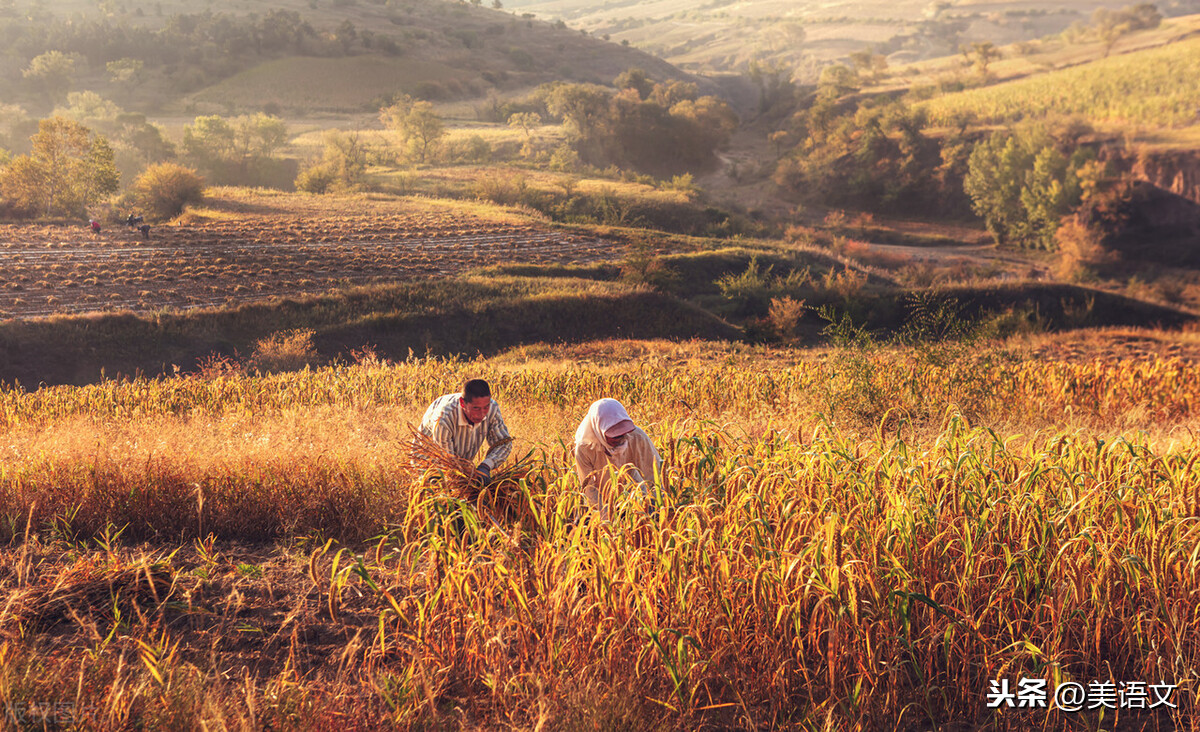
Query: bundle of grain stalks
column 501, row 497
column 89, row 587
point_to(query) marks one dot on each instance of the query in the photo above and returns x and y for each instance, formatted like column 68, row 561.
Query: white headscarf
column 602, row 416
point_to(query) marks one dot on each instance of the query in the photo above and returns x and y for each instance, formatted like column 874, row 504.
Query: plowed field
column 279, row 245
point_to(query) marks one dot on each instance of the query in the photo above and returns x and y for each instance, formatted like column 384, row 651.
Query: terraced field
column 276, row 246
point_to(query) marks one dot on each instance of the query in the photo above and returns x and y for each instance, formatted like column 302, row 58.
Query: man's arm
column 498, row 439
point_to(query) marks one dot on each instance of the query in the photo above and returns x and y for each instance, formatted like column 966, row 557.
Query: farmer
column 145, row 229
column 132, row 221
column 606, row 438
column 460, row 422
column 94, row 225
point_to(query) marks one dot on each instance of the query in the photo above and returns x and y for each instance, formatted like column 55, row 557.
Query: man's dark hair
column 475, row 388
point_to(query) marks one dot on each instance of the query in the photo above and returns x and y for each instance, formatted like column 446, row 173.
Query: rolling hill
column 312, row 56
column 724, row 35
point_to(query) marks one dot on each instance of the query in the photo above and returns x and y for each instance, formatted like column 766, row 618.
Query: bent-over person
column 461, row 421
column 608, row 437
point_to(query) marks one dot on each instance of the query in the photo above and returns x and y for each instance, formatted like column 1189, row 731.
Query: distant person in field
column 461, row 421
column 145, row 229
column 133, row 221
column 607, row 442
column 94, row 225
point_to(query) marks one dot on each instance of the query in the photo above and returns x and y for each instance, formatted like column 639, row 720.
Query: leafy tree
column 981, row 55
column 68, row 169
column 583, row 107
column 868, row 63
column 837, row 81
column 773, row 80
column 52, row 72
column 637, row 79
column 526, row 121
column 342, row 166
column 235, row 149
column 125, row 70
column 1022, row 184
column 209, row 139
column 419, row 127
column 164, row 189
column 876, row 157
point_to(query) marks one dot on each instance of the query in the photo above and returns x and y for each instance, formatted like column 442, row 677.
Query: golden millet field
column 852, row 542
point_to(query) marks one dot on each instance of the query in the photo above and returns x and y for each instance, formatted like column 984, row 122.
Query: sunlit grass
column 796, row 568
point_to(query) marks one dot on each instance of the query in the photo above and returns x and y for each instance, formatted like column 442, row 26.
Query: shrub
column 1081, row 251
column 317, row 179
column 163, row 190
column 785, row 315
column 290, row 350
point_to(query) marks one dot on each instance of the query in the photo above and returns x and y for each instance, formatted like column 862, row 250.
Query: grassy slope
column 446, row 44
column 460, row 315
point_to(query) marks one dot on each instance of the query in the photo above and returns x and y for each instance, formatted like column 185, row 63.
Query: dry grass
column 843, row 571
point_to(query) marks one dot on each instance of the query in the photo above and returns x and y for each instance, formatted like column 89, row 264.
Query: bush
column 785, row 315
column 317, row 179
column 165, row 188
column 290, row 350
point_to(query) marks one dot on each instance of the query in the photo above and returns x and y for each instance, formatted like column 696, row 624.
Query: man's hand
column 483, row 473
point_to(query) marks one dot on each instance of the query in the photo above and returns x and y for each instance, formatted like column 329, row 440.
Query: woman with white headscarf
column 608, row 437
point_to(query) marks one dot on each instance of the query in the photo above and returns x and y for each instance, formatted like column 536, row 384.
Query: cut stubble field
column 245, row 247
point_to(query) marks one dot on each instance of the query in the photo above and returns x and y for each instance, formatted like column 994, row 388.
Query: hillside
column 723, row 35
column 1152, row 88
column 292, row 56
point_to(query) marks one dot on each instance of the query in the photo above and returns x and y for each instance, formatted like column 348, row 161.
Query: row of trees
column 662, row 128
column 70, row 169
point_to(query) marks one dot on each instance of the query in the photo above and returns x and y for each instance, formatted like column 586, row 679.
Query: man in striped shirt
column 462, row 420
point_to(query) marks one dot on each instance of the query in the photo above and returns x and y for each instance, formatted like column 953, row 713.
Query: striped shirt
column 445, row 423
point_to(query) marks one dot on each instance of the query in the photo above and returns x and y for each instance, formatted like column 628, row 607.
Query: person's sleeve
column 443, row 430
column 587, row 463
column 499, row 444
column 646, row 459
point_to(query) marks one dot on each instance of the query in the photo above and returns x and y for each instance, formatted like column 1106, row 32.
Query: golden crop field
column 224, row 551
column 1156, row 88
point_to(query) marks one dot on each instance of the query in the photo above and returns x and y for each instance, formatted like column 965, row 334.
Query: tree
column 52, row 72
column 258, row 135
column 581, row 106
column 868, row 63
column 837, row 81
column 1022, row 185
column 774, row 82
column 236, row 149
column 209, row 139
column 342, row 166
column 981, row 55
column 419, row 127
column 526, row 121
column 345, row 35
column 635, row 78
column 67, row 170
column 164, row 189
column 124, row 70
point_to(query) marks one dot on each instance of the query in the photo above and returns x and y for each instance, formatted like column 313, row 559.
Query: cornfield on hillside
column 1159, row 87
